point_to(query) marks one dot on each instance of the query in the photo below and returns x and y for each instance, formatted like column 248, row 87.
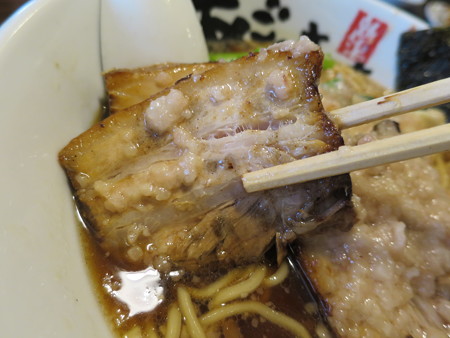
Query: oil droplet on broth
column 141, row 290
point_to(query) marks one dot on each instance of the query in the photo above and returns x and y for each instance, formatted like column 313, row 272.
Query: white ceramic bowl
column 50, row 87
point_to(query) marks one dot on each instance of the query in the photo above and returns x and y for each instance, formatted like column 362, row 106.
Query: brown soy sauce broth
column 292, row 297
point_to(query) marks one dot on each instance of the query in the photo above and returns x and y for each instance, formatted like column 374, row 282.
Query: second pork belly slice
column 160, row 181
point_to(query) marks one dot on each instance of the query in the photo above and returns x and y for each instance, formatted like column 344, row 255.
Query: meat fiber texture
column 159, row 182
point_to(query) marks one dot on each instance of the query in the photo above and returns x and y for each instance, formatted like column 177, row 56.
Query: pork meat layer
column 160, row 183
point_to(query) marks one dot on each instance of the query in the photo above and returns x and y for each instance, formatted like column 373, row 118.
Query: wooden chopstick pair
column 347, row 159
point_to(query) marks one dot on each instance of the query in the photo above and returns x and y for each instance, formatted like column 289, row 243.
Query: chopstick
column 347, row 159
column 425, row 96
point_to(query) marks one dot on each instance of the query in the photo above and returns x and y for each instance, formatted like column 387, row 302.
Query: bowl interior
column 52, row 90
column 51, row 87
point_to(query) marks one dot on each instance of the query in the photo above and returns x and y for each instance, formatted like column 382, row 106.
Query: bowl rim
column 18, row 19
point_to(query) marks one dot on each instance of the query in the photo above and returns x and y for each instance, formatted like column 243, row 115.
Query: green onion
column 366, row 97
column 226, row 56
column 328, row 61
column 331, row 83
column 229, row 56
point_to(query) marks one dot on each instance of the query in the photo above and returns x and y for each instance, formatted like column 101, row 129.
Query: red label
column 362, row 37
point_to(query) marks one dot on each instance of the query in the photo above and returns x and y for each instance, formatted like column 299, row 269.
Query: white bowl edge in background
column 333, row 19
column 131, row 33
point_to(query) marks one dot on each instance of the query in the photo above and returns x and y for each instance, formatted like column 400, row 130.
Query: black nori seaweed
column 424, row 56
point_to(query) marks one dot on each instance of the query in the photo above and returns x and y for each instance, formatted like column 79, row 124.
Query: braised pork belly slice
column 159, row 183
column 127, row 87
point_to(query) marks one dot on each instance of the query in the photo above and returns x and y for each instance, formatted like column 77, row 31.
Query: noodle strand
column 278, row 277
column 188, row 310
column 151, row 331
column 442, row 169
column 241, row 289
column 275, row 317
column 135, row 332
column 184, row 333
column 173, row 329
column 211, row 289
